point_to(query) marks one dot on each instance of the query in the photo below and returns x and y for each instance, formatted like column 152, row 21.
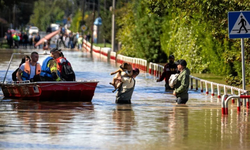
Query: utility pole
column 104, row 40
column 113, row 26
column 14, row 16
column 98, row 5
column 92, row 38
column 83, row 14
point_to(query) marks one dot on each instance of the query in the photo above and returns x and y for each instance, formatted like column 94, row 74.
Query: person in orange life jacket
column 30, row 70
column 24, row 59
column 169, row 68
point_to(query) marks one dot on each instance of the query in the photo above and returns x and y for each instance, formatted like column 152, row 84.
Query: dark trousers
column 181, row 101
column 123, row 101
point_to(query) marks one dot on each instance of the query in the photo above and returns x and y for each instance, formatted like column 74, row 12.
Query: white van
column 33, row 30
column 54, row 27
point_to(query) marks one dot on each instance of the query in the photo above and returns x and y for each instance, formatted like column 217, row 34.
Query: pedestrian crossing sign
column 238, row 24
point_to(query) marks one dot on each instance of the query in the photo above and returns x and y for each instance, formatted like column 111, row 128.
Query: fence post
column 155, row 70
column 191, row 79
column 150, row 68
column 238, row 105
column 212, row 89
column 223, row 104
column 206, row 88
column 196, row 83
column 247, row 102
column 201, row 85
column 244, row 100
column 232, row 92
column 225, row 90
column 218, row 90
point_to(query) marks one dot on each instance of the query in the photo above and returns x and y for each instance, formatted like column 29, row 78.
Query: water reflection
column 178, row 124
column 124, row 117
column 49, row 117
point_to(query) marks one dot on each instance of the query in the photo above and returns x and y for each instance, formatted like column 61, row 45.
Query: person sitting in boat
column 30, row 70
column 24, row 59
column 49, row 68
column 53, row 65
column 65, row 68
column 126, row 89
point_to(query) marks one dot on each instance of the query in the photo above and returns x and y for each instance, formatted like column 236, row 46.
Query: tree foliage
column 144, row 28
column 47, row 12
column 16, row 12
column 195, row 30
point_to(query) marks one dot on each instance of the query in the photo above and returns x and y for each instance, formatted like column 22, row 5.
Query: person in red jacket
column 169, row 68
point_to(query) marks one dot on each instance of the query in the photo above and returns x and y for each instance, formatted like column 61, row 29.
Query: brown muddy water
column 152, row 122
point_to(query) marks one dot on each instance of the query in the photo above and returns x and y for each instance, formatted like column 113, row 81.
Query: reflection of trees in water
column 49, row 117
column 124, row 117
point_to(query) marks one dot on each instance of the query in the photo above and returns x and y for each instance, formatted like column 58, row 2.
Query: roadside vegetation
column 194, row 30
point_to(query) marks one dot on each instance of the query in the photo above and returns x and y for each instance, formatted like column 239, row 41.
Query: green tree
column 47, row 12
column 76, row 21
column 145, row 30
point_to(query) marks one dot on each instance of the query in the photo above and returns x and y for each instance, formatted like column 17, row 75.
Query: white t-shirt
column 32, row 70
column 127, row 82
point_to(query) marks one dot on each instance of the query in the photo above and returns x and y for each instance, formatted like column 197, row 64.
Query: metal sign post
column 239, row 27
column 243, row 64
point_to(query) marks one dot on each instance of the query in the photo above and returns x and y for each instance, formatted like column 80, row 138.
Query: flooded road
column 151, row 122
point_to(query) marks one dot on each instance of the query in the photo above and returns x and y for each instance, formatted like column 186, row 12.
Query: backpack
column 173, row 80
column 67, row 73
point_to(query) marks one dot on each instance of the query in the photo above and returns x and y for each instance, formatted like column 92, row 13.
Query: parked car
column 33, row 30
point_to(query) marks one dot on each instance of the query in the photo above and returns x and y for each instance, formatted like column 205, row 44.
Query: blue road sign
column 238, row 24
column 98, row 21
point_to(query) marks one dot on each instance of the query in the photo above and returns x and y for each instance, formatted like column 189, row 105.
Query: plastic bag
column 173, row 80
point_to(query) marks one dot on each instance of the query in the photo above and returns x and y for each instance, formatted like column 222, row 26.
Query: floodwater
column 152, row 122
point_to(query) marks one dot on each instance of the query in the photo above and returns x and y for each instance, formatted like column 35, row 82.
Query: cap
column 54, row 50
column 136, row 70
column 171, row 56
column 182, row 62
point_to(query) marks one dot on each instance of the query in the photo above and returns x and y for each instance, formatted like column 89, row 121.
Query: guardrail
column 225, row 99
column 113, row 56
column 157, row 69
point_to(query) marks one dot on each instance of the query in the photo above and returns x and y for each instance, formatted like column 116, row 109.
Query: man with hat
column 169, row 68
column 182, row 85
column 126, row 90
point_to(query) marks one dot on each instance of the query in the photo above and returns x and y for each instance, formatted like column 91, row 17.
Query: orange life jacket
column 26, row 71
